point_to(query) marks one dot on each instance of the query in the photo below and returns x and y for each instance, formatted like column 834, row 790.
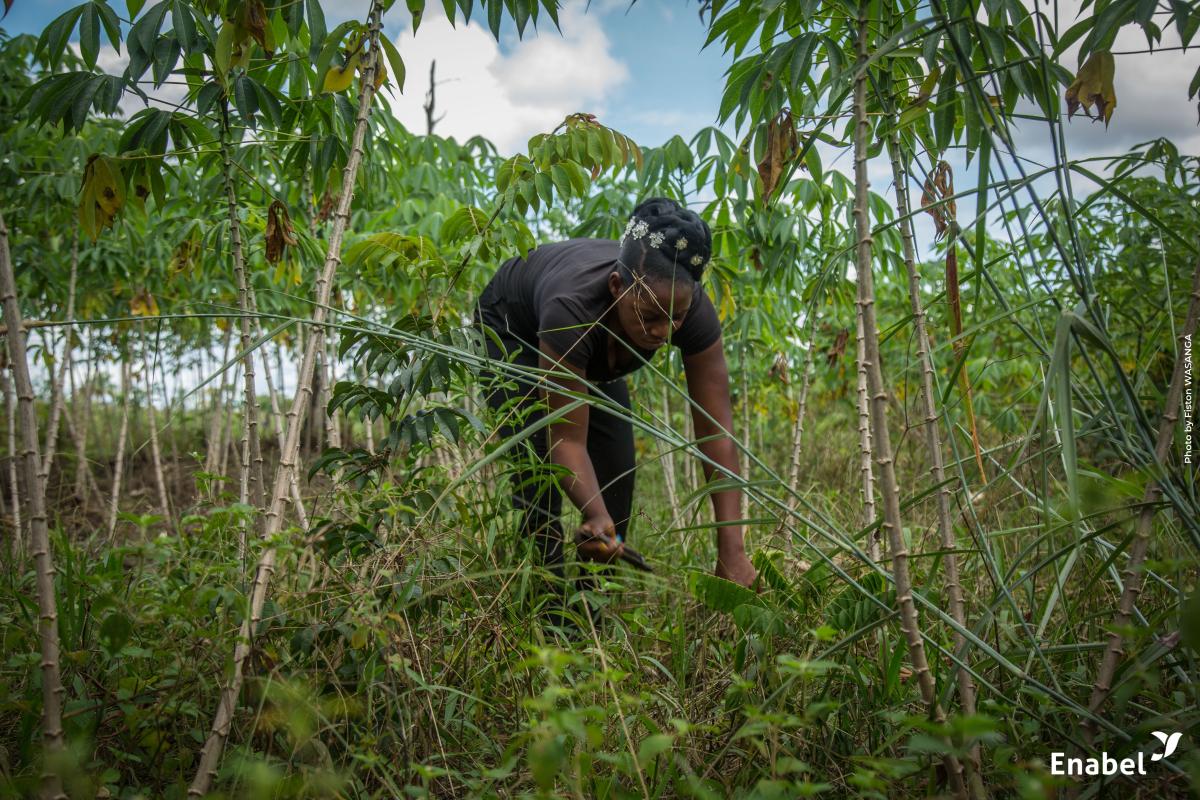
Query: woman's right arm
column 568, row 447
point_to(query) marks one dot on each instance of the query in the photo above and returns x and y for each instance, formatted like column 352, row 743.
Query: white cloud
column 506, row 97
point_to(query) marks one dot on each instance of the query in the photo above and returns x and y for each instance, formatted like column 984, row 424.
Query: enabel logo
column 1170, row 742
column 1105, row 764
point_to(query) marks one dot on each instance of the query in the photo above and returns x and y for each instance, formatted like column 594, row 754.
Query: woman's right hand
column 598, row 540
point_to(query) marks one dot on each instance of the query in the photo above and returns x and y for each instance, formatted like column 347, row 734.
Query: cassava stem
column 252, row 460
column 937, row 469
column 210, row 756
column 160, row 483
column 122, row 435
column 39, row 531
column 865, row 450
column 57, row 397
column 889, row 489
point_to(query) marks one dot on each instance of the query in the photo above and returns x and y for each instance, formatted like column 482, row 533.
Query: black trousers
column 535, row 491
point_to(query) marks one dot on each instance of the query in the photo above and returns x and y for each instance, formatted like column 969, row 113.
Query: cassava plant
column 870, row 359
column 53, row 744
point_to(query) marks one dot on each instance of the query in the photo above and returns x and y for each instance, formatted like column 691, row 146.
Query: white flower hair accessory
column 628, row 227
column 656, row 239
column 681, row 243
column 697, row 260
column 640, row 229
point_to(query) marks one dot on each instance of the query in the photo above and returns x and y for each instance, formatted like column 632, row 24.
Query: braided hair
column 665, row 241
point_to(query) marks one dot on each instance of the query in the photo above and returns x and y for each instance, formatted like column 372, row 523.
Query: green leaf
column 467, row 221
column 547, row 753
column 1189, row 615
column 718, row 593
column 115, row 631
column 545, row 188
column 89, row 35
column 521, row 17
column 551, row 7
column 562, row 181
column 223, row 52
column 145, row 30
column 166, row 55
column 316, row 27
column 395, row 62
column 112, row 25
column 245, row 99
column 653, row 746
column 185, row 27
column 946, row 112
column 53, row 40
column 756, row 619
column 135, row 7
column 1073, row 34
column 494, row 10
column 1060, row 377
column 417, row 9
column 910, row 115
column 268, row 103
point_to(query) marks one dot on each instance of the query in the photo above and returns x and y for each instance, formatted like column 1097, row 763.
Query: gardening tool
column 630, row 556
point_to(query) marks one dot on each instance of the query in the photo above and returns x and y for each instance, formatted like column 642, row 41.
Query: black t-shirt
column 560, row 293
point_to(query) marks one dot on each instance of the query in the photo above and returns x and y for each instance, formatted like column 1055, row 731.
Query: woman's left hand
column 736, row 568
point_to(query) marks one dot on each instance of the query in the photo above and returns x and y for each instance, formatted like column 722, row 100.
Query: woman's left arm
column 708, row 385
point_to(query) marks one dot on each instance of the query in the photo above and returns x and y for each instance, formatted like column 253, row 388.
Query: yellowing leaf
column 143, row 304
column 102, row 195
column 381, row 73
column 728, row 306
column 1094, row 85
column 223, row 54
column 917, row 105
column 927, row 86
column 338, row 79
column 183, row 259
column 252, row 18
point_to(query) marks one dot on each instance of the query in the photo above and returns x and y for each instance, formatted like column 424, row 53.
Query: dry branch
column 160, row 483
column 277, row 419
column 793, row 475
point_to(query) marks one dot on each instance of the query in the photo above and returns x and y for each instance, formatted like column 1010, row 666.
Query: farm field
column 923, row 521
